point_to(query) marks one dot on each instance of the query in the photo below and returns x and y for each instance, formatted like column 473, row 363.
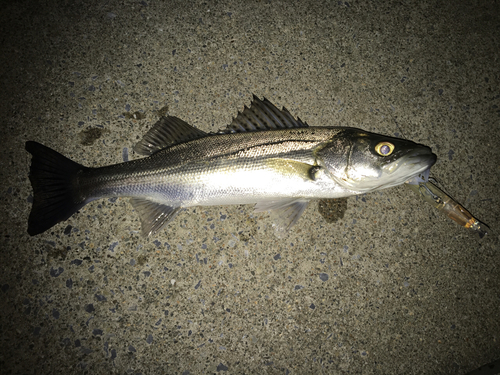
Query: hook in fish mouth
column 411, row 165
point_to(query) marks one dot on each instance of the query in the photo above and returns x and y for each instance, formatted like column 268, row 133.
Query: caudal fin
column 52, row 177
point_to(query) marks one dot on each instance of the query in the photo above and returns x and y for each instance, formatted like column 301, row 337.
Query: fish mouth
column 408, row 166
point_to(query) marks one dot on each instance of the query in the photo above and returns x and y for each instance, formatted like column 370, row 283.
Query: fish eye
column 384, row 148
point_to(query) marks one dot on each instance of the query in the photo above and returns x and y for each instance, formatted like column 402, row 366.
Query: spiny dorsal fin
column 168, row 131
column 262, row 115
column 154, row 216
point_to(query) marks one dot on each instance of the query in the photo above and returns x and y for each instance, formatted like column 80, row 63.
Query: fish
column 265, row 157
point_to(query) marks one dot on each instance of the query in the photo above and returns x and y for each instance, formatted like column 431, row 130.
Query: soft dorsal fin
column 168, row 131
column 263, row 115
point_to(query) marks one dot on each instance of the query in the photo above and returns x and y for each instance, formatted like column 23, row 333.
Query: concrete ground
column 391, row 288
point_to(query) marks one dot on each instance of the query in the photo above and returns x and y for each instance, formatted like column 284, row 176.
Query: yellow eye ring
column 384, row 148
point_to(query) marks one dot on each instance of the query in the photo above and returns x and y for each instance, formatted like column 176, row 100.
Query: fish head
column 361, row 162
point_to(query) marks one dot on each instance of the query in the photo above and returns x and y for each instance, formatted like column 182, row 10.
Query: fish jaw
column 409, row 166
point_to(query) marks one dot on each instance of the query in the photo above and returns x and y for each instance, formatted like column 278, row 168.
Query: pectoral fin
column 154, row 216
column 292, row 167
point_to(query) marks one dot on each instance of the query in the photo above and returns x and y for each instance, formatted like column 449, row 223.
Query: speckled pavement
column 390, row 288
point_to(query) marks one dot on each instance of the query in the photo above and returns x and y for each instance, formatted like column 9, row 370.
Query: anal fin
column 154, row 216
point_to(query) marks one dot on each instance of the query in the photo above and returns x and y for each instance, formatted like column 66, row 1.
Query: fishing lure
column 448, row 206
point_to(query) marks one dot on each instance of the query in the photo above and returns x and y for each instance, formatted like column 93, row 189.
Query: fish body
column 265, row 157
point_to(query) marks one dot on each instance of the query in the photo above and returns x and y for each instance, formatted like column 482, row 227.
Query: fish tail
column 52, row 177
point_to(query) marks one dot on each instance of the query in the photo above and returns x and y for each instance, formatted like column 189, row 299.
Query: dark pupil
column 384, row 150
